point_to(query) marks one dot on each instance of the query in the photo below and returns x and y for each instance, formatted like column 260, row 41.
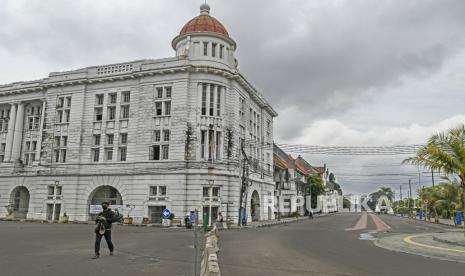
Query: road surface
column 324, row 246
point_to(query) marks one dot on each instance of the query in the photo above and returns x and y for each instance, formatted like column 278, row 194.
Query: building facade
column 144, row 135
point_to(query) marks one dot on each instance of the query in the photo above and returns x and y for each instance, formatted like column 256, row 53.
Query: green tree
column 316, row 188
column 374, row 197
column 446, row 152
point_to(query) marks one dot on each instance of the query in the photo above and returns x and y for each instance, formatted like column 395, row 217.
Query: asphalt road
column 312, row 247
column 323, row 247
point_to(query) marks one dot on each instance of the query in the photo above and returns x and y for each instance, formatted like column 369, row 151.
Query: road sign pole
column 196, row 243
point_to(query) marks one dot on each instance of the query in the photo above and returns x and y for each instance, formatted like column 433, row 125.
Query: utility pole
column 243, row 183
column 410, row 195
column 400, row 194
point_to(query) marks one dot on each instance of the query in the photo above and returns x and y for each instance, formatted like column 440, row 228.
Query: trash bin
column 458, row 218
column 187, row 222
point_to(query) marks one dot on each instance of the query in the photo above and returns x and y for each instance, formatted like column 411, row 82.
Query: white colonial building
column 145, row 135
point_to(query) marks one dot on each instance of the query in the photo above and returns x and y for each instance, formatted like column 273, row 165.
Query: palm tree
column 446, row 152
column 450, row 197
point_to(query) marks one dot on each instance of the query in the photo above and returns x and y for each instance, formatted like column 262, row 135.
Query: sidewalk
column 269, row 223
column 254, row 224
column 448, row 222
column 448, row 246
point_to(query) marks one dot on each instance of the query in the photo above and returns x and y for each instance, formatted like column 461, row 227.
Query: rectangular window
column 167, row 108
column 221, row 51
column 213, row 49
column 30, row 123
column 212, row 98
column 218, row 102
column 57, row 141
column 95, row 155
column 154, row 153
column 159, row 92
column 122, row 154
column 63, row 155
column 96, row 140
column 28, row 146
column 99, row 99
column 168, row 91
column 124, row 138
column 158, row 191
column 59, row 116
column 125, row 111
column 211, row 143
column 126, row 96
column 203, row 136
column 57, row 156
column 98, row 114
column 108, row 154
column 165, row 150
column 110, row 138
column 51, row 190
column 153, row 190
column 205, row 48
column 204, row 99
column 34, row 144
column 60, row 102
column 166, row 135
column 64, row 141
column 156, row 135
column 66, row 117
column 68, row 104
column 162, row 190
column 58, row 190
column 111, row 113
column 206, row 191
column 158, row 108
column 216, row 191
column 112, row 98
column 3, row 147
column 218, row 145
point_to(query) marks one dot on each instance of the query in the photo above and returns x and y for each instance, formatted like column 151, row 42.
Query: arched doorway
column 103, row 194
column 255, row 206
column 19, row 202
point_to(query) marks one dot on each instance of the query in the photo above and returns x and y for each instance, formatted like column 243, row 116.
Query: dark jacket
column 110, row 218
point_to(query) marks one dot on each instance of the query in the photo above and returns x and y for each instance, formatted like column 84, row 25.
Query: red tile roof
column 204, row 23
column 278, row 161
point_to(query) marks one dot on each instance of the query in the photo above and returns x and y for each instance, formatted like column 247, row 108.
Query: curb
column 175, row 228
column 431, row 222
column 438, row 239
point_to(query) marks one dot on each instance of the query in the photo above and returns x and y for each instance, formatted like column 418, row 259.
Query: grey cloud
column 321, row 57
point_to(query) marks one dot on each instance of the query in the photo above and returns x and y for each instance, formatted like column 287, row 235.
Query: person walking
column 103, row 223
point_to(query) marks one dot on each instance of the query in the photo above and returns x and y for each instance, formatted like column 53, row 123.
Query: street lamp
column 55, row 189
column 210, row 194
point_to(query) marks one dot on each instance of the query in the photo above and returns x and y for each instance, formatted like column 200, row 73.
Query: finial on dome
column 205, row 8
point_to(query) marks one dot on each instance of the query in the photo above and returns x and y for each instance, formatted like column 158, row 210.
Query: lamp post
column 55, row 189
column 210, row 195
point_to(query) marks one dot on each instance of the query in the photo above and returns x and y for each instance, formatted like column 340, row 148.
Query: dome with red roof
column 204, row 23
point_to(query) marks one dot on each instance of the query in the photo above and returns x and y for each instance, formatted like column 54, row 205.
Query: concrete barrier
column 209, row 265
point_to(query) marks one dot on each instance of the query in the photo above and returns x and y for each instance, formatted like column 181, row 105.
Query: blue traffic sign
column 192, row 217
column 166, row 214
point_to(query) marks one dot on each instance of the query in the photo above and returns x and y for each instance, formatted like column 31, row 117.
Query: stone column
column 41, row 130
column 18, row 137
column 10, row 133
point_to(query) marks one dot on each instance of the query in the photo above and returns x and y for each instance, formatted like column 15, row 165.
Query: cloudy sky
column 339, row 72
